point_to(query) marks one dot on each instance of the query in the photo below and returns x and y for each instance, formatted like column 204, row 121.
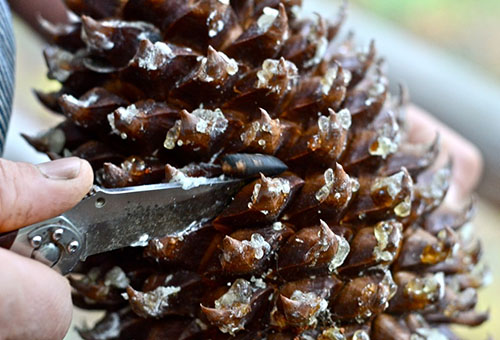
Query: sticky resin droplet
column 154, row 302
column 255, row 194
column 116, row 277
column 231, row 64
column 127, row 114
column 316, row 303
column 382, row 232
column 403, row 209
column 333, row 333
column 267, row 18
column 260, row 246
column 343, row 250
column 215, row 25
column 439, row 184
column 431, row 287
column 390, row 285
column 328, row 79
column 321, row 47
column 155, row 56
column 355, row 184
column 211, row 122
column 172, row 135
column 323, row 193
column 236, row 301
column 272, row 70
column 345, row 119
column 392, row 184
column 278, row 226
column 360, row 335
column 383, row 147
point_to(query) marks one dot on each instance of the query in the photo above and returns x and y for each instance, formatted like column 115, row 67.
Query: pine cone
column 352, row 242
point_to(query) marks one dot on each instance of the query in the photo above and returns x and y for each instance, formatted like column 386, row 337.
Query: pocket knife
column 109, row 219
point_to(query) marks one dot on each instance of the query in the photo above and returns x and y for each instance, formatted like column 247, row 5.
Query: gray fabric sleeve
column 7, row 63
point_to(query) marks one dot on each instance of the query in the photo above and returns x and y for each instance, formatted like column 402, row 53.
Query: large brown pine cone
column 351, row 243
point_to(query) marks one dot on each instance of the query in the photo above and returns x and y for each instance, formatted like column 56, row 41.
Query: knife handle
column 55, row 242
column 7, row 239
column 18, row 241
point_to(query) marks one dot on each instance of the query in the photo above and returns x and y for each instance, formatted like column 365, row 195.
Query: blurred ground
column 29, row 117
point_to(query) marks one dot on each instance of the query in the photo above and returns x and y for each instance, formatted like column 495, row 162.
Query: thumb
column 32, row 193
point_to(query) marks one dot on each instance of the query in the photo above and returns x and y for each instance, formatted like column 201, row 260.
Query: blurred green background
column 466, row 28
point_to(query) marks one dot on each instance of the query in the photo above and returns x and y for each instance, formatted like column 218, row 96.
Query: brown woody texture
column 352, row 242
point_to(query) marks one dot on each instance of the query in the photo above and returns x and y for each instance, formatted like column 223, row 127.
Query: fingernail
column 62, row 169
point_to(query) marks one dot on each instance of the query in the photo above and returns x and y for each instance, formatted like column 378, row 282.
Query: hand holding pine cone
column 352, row 242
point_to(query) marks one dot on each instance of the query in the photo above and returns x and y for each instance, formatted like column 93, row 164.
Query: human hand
column 466, row 158
column 35, row 301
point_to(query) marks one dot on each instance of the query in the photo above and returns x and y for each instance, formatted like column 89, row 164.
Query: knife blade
column 116, row 218
column 110, row 219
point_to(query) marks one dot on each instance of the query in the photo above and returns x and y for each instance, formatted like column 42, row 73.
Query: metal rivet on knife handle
column 73, row 246
column 57, row 234
column 36, row 241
